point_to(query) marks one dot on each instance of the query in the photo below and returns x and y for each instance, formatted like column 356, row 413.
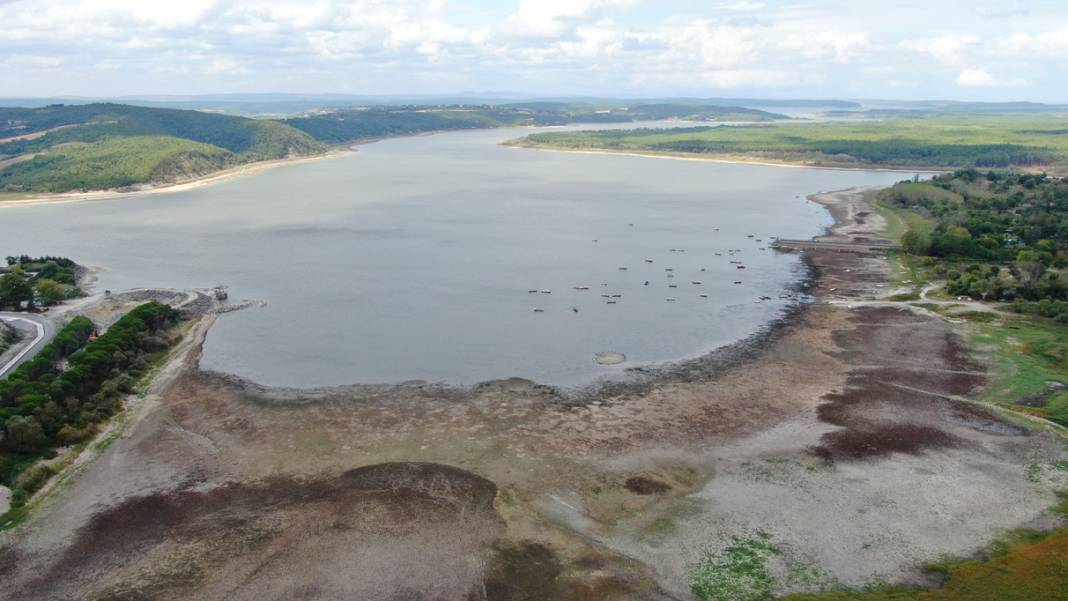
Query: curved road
column 46, row 330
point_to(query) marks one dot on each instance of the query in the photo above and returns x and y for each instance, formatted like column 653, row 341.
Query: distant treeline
column 380, row 122
column 979, row 141
column 72, row 385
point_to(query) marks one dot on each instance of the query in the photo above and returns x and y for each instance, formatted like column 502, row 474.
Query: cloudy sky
column 977, row 49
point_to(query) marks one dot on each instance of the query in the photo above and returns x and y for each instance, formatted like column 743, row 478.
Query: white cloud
column 22, row 61
column 661, row 47
column 982, row 78
column 1046, row 44
column 947, row 49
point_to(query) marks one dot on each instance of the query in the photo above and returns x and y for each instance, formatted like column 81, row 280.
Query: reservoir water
column 413, row 258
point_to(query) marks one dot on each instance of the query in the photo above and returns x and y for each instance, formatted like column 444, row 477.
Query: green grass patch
column 738, row 572
column 899, row 220
column 1028, row 353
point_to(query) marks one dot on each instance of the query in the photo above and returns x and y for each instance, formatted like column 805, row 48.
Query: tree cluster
column 73, row 384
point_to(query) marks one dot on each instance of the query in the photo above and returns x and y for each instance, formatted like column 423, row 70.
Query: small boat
column 605, row 296
column 702, row 269
column 581, row 287
column 696, row 283
column 646, row 282
column 671, row 275
column 610, row 302
column 575, row 309
column 741, row 267
column 704, row 296
column 670, row 300
column 617, row 296
column 622, row 268
column 546, row 291
column 539, row 310
column 648, row 260
column 750, row 236
column 673, row 285
column 738, row 282
column 532, row 291
column 668, row 269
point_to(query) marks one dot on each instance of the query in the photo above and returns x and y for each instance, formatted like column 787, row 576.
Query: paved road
column 46, row 330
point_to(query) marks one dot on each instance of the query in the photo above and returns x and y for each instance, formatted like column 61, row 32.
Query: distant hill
column 276, row 105
column 379, row 122
column 61, row 148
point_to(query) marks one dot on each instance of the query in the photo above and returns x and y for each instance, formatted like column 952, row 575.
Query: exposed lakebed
column 415, row 258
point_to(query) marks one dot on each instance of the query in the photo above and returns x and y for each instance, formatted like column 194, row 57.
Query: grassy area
column 940, row 142
column 899, row 220
column 115, row 163
column 1029, row 352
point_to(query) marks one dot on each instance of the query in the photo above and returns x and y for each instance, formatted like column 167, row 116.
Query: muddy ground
column 844, row 433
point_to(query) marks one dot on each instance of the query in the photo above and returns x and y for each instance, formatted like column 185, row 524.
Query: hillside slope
column 100, row 146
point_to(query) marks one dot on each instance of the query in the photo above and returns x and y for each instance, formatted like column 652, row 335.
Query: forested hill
column 62, row 148
column 380, row 122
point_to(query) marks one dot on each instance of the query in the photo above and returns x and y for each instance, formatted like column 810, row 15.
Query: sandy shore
column 713, row 158
column 151, row 190
column 859, row 460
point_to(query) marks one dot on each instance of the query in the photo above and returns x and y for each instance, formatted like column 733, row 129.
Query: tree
column 1031, row 269
column 24, row 434
column 50, row 292
column 14, row 290
column 916, row 242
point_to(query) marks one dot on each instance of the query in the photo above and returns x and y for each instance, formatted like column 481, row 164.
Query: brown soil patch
column 182, row 545
column 901, row 393
column 646, row 486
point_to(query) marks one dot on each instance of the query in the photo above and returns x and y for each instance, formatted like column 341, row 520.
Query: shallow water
column 412, row 258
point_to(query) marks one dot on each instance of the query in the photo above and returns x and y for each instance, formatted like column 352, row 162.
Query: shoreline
column 717, row 158
column 797, row 437
column 181, row 186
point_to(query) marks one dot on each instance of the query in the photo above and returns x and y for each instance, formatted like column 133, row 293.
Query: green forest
column 943, row 141
column 999, row 236
column 27, row 282
column 103, row 146
column 73, row 385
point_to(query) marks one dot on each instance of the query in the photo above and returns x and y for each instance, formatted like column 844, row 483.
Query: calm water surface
column 412, row 258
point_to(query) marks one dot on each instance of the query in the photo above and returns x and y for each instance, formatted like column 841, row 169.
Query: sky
column 932, row 49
